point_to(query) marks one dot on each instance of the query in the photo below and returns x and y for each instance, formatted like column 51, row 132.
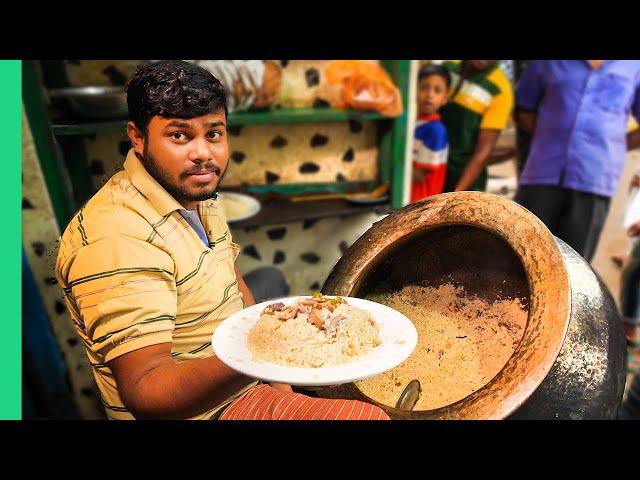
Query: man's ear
column 136, row 137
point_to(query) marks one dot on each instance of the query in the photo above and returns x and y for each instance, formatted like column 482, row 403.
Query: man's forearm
column 485, row 144
column 182, row 390
column 633, row 139
column 471, row 172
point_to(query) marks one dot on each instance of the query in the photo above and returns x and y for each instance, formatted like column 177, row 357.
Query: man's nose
column 200, row 151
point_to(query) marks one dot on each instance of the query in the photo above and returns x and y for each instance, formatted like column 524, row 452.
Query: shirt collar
column 163, row 202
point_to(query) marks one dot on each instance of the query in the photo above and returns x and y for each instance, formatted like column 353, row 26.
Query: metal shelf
column 267, row 117
column 279, row 211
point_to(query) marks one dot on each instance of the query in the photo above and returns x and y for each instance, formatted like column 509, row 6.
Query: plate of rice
column 238, row 206
column 314, row 340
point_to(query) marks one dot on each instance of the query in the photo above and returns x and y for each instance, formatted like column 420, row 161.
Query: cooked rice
column 298, row 343
column 463, row 343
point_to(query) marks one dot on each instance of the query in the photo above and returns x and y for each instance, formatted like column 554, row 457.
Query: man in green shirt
column 481, row 98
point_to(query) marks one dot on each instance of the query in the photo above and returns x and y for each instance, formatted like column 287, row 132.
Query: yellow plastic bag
column 365, row 86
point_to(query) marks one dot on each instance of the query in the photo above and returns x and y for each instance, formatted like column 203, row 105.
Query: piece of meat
column 276, row 307
column 329, row 306
column 287, row 313
column 316, row 319
column 331, row 324
column 304, row 309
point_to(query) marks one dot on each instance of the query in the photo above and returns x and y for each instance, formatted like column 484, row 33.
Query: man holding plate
column 148, row 271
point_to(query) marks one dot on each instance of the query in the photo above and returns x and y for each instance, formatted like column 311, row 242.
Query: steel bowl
column 93, row 102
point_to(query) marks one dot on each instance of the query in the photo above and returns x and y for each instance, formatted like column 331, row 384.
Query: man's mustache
column 205, row 167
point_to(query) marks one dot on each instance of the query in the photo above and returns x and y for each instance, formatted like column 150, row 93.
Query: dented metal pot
column 570, row 361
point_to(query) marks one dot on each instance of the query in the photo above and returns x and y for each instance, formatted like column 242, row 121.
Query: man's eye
column 214, row 135
column 178, row 136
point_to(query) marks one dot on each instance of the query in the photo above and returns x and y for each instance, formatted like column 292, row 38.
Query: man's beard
column 176, row 191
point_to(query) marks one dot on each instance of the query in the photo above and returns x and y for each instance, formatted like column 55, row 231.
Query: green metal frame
column 51, row 162
column 399, row 70
column 304, row 188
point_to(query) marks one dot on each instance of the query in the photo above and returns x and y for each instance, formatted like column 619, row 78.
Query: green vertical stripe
column 11, row 351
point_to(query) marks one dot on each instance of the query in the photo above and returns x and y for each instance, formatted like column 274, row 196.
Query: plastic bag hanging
column 365, row 86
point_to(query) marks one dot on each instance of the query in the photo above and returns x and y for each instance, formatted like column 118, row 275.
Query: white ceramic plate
column 251, row 205
column 399, row 338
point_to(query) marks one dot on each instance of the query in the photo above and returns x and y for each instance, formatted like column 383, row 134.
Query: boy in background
column 430, row 136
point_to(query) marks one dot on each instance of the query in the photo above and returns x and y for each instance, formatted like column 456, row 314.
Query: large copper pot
column 570, row 361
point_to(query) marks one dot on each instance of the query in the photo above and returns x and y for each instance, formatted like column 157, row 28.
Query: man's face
column 188, row 157
column 432, row 94
column 481, row 65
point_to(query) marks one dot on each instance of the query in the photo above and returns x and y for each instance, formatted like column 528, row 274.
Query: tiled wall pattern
column 305, row 252
column 267, row 154
column 303, row 153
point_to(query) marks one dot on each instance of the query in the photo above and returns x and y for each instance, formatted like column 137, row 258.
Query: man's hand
column 501, row 154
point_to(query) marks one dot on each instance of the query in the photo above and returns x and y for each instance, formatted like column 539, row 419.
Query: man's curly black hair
column 173, row 89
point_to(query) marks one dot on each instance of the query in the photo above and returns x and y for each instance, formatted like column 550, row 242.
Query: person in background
column 630, row 408
column 481, row 98
column 523, row 139
column 630, row 288
column 430, row 135
column 630, row 302
column 577, row 112
column 147, row 267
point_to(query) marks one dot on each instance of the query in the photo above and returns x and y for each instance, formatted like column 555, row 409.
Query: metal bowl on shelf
column 93, row 102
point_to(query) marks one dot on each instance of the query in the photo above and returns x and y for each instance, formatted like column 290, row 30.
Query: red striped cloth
column 264, row 402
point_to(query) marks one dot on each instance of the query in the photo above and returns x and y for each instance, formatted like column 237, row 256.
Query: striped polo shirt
column 134, row 273
column 483, row 101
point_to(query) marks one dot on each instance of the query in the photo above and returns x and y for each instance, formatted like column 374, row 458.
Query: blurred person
column 576, row 112
column 523, row 139
column 481, row 98
column 630, row 408
column 430, row 135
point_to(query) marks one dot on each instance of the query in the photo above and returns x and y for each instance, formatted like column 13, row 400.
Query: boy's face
column 188, row 157
column 432, row 94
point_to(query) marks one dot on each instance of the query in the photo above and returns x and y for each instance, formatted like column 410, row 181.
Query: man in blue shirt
column 577, row 112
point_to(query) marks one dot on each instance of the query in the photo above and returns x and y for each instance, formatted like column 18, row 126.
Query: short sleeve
column 235, row 248
column 430, row 145
column 123, row 291
column 499, row 111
